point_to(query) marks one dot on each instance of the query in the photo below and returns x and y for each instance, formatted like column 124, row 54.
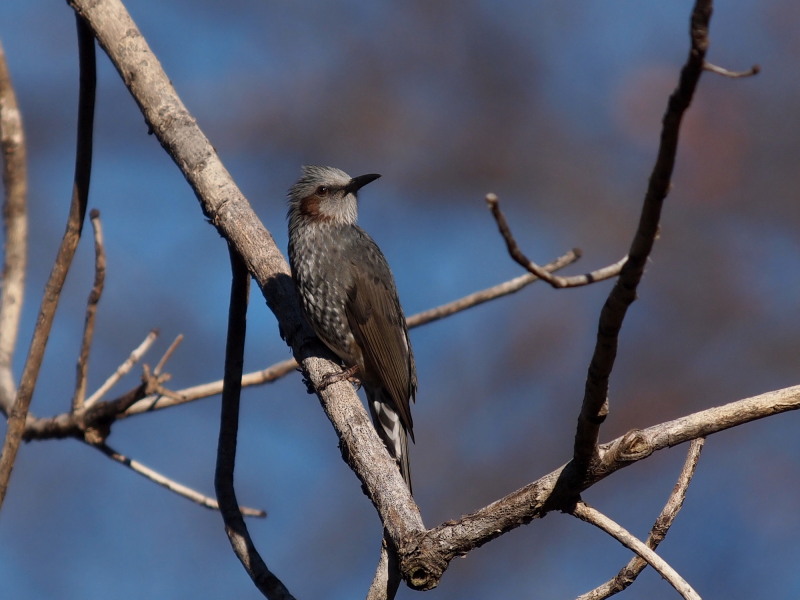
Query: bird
column 349, row 297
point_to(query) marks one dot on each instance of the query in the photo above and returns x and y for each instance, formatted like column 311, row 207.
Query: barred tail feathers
column 390, row 429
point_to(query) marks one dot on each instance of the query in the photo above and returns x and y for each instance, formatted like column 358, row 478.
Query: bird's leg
column 348, row 374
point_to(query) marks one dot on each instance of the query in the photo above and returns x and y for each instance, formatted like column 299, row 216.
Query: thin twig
column 594, row 408
column 170, row 351
column 235, row 527
column 168, row 483
column 15, row 229
column 212, row 388
column 123, row 369
column 628, row 574
column 754, row 70
column 586, row 513
column 496, row 291
column 55, row 283
column 544, row 273
column 91, row 310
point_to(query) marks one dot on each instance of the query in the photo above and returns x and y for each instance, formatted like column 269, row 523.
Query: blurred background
column 556, row 108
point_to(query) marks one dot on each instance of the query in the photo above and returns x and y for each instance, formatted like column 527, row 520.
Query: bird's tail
column 390, row 429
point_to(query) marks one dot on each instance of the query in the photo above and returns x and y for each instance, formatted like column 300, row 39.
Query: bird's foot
column 348, row 375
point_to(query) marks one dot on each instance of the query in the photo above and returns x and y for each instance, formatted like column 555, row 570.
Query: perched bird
column 349, row 298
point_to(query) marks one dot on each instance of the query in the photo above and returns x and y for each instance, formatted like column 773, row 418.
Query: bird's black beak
column 356, row 183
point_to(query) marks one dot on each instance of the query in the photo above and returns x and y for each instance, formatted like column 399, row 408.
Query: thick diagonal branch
column 227, row 209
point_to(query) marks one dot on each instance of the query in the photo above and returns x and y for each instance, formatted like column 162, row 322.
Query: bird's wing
column 378, row 325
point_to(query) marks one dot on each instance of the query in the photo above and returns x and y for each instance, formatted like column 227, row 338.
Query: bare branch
column 595, row 401
column 387, row 580
column 430, row 553
column 91, row 310
column 212, row 388
column 52, row 292
column 267, row 583
column 15, row 227
column 134, row 357
column 543, row 273
column 170, row 484
column 754, row 70
column 586, row 513
column 496, row 291
column 170, row 351
column 628, row 574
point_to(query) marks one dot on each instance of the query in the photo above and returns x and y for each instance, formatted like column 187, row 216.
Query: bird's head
column 326, row 194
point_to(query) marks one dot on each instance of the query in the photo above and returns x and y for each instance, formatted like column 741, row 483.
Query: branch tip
column 754, row 70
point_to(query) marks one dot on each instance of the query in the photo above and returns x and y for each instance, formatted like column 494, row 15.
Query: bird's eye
column 322, row 190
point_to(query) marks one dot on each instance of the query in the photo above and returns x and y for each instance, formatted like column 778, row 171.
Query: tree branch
column 754, row 70
column 595, row 401
column 586, row 513
column 235, row 527
column 52, row 292
column 628, row 574
column 491, row 293
column 91, row 311
column 429, row 554
column 170, row 484
column 64, row 425
column 15, row 227
column 125, row 368
column 544, row 273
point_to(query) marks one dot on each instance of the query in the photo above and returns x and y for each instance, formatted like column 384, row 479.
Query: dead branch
column 427, row 556
column 15, row 229
column 544, row 273
column 754, row 70
column 170, row 484
column 134, row 357
column 628, row 574
column 83, row 160
column 235, row 527
column 595, row 401
column 91, row 311
column 168, row 354
column 591, row 515
column 386, row 580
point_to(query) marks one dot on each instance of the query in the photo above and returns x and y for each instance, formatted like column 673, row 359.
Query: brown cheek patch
column 309, row 206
